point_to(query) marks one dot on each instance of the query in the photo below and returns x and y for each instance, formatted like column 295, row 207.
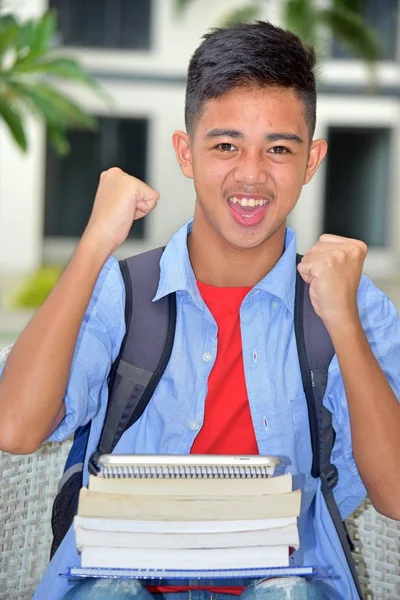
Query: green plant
column 309, row 18
column 28, row 64
column 35, row 289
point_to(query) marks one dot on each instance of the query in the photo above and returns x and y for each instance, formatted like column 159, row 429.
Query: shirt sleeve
column 98, row 344
column 4, row 352
column 380, row 321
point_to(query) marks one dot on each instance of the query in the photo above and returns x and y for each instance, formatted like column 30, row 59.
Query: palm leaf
column 13, row 119
column 24, row 83
column 6, row 21
column 73, row 113
column 354, row 5
column 56, row 108
column 244, row 14
column 37, row 104
column 9, row 31
column 36, row 38
column 66, row 68
column 63, row 68
column 44, row 32
column 299, row 17
column 58, row 140
column 352, row 30
column 181, row 5
column 25, row 38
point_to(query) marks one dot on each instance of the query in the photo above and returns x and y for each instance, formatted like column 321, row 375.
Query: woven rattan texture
column 28, row 485
column 377, row 542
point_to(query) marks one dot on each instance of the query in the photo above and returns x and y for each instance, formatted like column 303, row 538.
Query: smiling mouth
column 248, row 211
column 247, row 202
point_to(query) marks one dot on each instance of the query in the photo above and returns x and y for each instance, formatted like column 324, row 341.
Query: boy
column 233, row 382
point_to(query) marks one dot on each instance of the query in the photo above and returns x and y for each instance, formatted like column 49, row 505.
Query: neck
column 217, row 263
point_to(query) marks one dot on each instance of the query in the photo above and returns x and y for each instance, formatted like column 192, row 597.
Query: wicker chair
column 29, row 484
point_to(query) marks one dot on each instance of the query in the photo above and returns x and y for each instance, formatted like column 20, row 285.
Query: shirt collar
column 176, row 273
column 281, row 280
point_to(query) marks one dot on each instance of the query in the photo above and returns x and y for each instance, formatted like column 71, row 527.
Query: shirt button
column 275, row 304
column 194, row 425
column 206, row 357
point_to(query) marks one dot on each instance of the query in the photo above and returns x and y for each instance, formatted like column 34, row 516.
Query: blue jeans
column 288, row 588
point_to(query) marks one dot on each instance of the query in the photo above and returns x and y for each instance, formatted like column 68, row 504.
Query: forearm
column 35, row 377
column 374, row 417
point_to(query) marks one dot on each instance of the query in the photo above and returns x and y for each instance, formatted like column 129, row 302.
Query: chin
column 245, row 244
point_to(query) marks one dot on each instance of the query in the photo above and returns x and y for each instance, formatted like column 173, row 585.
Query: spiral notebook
column 186, row 466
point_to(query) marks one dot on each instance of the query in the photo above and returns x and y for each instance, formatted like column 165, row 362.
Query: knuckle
column 363, row 246
column 339, row 253
column 111, row 171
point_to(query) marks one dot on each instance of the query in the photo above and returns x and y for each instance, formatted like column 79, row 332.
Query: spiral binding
column 184, row 472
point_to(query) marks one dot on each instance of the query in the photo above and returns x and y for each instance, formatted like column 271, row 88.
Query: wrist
column 345, row 329
column 97, row 243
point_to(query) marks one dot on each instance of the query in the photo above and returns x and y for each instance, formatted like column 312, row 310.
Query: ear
column 181, row 144
column 316, row 155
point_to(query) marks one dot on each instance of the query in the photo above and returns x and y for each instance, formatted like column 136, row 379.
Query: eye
column 279, row 150
column 226, row 147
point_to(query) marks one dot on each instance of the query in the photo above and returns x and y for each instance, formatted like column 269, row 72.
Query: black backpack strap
column 145, row 350
column 315, row 350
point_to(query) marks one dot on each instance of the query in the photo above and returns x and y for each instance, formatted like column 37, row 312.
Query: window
column 71, row 181
column 383, row 18
column 356, row 194
column 104, row 23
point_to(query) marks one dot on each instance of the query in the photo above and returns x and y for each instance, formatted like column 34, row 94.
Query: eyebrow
column 238, row 135
column 233, row 133
column 288, row 137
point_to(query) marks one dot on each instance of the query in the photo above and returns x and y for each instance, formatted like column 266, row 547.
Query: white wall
column 21, row 184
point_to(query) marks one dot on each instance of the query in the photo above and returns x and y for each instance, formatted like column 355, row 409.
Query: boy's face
column 249, row 157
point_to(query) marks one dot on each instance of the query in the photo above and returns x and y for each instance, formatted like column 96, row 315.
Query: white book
column 156, row 558
column 284, row 535
column 130, row 525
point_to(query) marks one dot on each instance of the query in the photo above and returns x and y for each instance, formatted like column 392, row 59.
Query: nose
column 251, row 169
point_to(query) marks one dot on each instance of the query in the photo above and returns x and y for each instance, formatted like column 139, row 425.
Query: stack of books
column 199, row 517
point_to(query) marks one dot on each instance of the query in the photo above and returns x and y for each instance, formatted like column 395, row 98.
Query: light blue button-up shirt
column 273, row 381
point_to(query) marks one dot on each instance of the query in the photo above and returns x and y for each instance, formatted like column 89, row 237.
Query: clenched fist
column 333, row 268
column 120, row 200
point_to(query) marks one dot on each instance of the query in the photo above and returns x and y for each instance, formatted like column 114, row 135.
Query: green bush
column 37, row 286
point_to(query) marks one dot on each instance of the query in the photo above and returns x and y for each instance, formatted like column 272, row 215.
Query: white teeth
column 247, row 201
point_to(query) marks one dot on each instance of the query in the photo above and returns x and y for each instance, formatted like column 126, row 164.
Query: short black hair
column 255, row 54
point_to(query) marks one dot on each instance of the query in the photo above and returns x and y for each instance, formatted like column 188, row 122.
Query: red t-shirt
column 227, row 427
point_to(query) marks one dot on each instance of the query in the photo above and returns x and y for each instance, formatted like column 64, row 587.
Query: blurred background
column 97, row 83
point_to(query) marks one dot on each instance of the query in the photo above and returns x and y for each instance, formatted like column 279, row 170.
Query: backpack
column 144, row 355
